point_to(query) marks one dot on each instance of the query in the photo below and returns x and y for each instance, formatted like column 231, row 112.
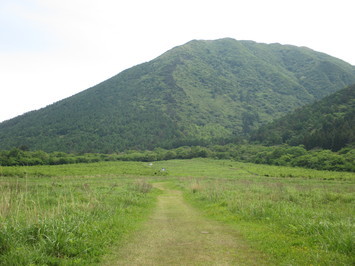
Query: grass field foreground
column 74, row 214
column 72, row 217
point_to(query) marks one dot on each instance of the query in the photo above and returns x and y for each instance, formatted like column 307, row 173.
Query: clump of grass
column 142, row 186
column 195, row 187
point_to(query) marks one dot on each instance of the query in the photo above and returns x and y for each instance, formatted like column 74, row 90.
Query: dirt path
column 177, row 234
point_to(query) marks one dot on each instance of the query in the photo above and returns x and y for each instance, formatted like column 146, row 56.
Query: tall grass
column 316, row 218
column 299, row 216
column 67, row 220
column 72, row 214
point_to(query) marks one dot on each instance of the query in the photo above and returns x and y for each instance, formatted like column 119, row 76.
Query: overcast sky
column 52, row 49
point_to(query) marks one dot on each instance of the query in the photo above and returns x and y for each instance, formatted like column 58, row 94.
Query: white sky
column 52, row 49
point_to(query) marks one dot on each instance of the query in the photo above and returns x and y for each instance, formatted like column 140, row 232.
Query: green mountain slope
column 200, row 92
column 328, row 123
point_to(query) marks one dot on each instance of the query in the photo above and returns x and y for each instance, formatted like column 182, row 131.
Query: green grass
column 83, row 169
column 210, row 168
column 70, row 219
column 74, row 214
column 298, row 216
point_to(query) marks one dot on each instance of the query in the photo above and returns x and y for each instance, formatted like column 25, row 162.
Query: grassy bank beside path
column 68, row 220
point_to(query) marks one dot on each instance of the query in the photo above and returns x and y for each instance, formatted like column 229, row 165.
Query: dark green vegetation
column 199, row 93
column 74, row 214
column 285, row 155
column 328, row 124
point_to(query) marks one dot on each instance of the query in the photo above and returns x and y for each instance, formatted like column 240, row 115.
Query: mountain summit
column 200, row 92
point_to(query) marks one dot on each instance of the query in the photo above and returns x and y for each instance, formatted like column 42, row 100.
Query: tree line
column 282, row 155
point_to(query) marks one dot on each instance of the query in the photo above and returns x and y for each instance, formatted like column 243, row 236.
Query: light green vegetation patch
column 210, row 168
column 296, row 215
column 84, row 169
column 72, row 217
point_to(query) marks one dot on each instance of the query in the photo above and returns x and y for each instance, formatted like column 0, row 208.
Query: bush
column 282, row 155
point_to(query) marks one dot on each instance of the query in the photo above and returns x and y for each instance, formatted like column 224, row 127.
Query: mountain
column 200, row 92
column 328, row 123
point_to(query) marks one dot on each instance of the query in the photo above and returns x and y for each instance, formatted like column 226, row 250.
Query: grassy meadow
column 298, row 216
column 74, row 214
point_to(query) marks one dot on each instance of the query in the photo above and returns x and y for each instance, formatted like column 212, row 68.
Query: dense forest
column 328, row 124
column 200, row 93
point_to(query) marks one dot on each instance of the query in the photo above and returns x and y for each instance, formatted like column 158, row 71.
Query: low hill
column 197, row 93
column 328, row 123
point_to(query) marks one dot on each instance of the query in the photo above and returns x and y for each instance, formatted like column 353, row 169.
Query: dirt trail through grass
column 177, row 234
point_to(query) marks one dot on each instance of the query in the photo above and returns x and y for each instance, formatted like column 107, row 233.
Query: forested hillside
column 198, row 93
column 328, row 124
